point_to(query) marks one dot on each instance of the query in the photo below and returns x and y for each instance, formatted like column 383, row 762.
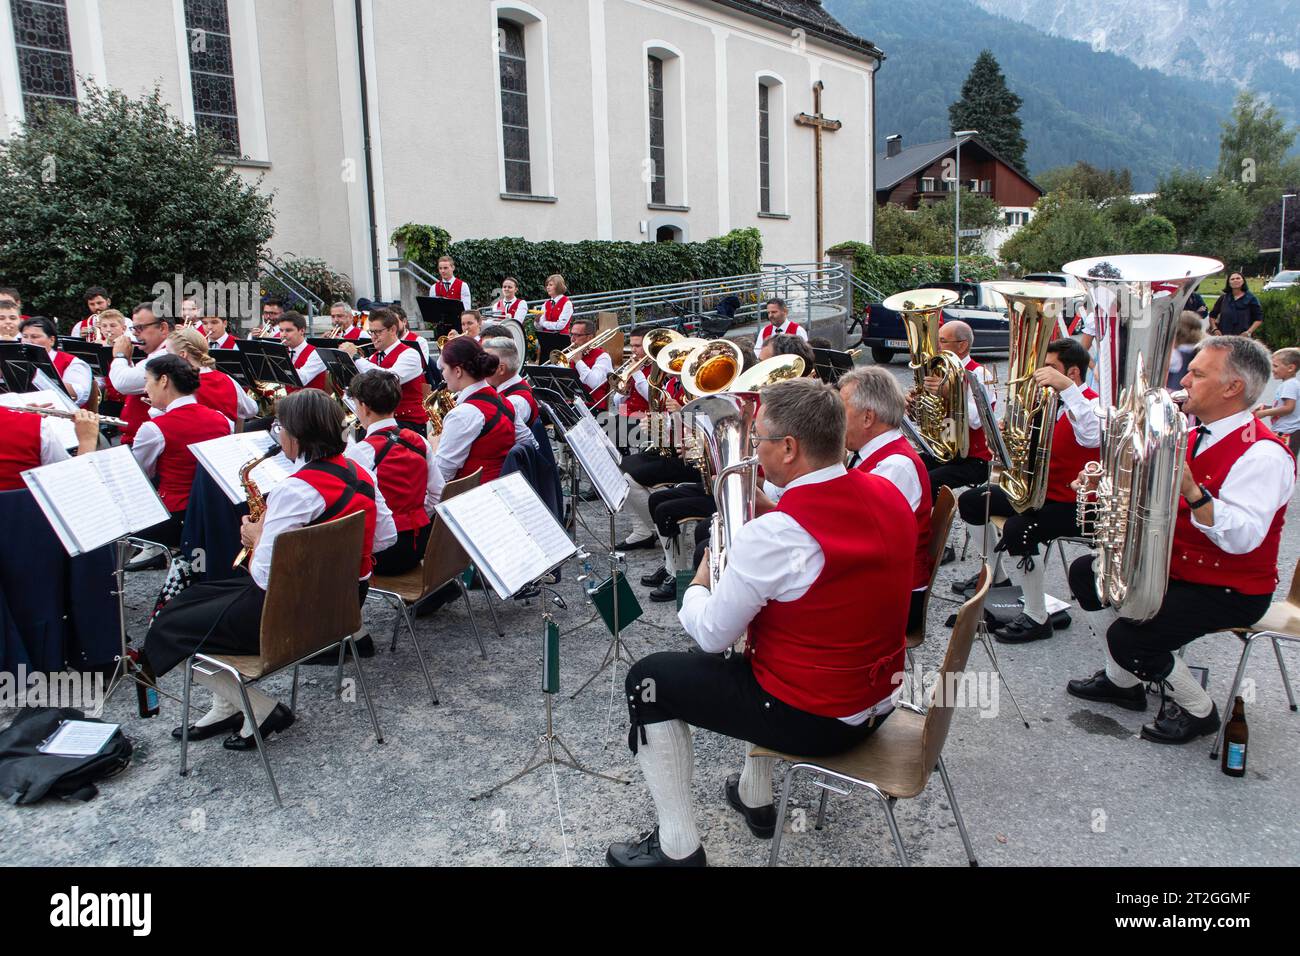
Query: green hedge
column 1281, row 318
column 590, row 266
column 893, row 274
column 316, row 275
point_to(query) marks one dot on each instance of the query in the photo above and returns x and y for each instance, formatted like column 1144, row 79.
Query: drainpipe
column 365, row 148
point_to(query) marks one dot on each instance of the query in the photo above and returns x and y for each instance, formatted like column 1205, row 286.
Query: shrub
column 893, row 274
column 1281, row 309
column 316, row 275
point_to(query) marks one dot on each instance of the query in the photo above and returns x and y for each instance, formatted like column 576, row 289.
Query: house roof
column 892, row 170
column 811, row 17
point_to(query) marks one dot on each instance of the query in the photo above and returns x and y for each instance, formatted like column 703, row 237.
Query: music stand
column 98, row 357
column 233, row 363
column 269, row 361
column 19, row 363
column 831, row 364
column 441, row 315
column 341, row 367
column 556, row 378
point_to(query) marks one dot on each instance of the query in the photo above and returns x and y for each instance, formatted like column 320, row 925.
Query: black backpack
column 28, row 776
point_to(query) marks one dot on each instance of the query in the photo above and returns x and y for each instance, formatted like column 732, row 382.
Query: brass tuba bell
column 712, row 368
column 941, row 419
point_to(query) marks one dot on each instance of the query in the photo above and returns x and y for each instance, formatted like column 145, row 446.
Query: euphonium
column 1136, row 301
column 570, row 355
column 256, row 500
column 712, row 368
column 940, row 419
column 436, row 405
column 1030, row 418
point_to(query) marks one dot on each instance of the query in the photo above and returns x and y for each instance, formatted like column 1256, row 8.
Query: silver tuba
column 724, row 429
column 1136, row 301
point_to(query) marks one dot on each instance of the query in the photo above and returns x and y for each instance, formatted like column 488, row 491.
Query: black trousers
column 405, row 553
column 670, row 506
column 1024, row 531
column 721, row 694
column 915, row 610
column 1189, row 611
column 958, row 473
column 648, row 470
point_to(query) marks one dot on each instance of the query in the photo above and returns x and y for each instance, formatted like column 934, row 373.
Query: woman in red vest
column 75, row 376
column 224, row 617
column 818, row 674
column 480, row 431
column 216, row 389
column 161, row 445
column 557, row 310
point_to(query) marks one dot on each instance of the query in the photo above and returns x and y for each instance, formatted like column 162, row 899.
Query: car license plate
column 896, row 343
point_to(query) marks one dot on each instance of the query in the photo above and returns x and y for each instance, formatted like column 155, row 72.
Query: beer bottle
column 1234, row 741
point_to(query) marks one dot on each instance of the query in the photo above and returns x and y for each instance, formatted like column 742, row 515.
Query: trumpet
column 64, row 413
column 444, row 339
column 570, row 355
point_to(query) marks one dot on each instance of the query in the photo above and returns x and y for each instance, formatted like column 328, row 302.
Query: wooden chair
column 940, row 525
column 445, row 562
column 1281, row 623
column 311, row 599
column 896, row 761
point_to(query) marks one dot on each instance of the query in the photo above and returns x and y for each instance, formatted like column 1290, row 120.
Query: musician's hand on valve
column 910, row 400
column 1188, row 486
column 932, row 383
column 250, row 533
column 1082, row 483
column 762, row 503
column 1046, row 375
column 671, row 404
column 702, row 572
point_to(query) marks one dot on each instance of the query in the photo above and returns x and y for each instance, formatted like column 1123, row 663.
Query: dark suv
column 979, row 307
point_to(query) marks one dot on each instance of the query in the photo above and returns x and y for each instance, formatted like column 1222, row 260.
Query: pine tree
column 988, row 105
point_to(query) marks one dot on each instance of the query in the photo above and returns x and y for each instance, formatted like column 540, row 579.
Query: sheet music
column 585, row 412
column 223, row 457
column 130, row 490
column 64, row 429
column 529, row 511
column 584, row 440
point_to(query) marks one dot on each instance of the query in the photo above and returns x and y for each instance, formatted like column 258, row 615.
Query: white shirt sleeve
column 900, row 471
column 1082, row 412
column 51, row 449
column 522, row 432
column 566, row 316
column 78, row 377
column 801, row 332
column 597, row 374
column 385, row 528
column 972, row 410
column 642, row 385
column 127, row 378
column 247, row 405
column 292, row 504
column 312, row 367
column 465, row 298
column 146, row 448
column 1258, row 485
column 406, row 368
column 363, row 453
column 459, row 429
column 770, row 559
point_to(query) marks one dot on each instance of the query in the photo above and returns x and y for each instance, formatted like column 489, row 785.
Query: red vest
column 218, row 390
column 553, row 310
column 181, row 428
column 135, row 413
column 792, row 328
column 979, row 446
column 635, row 404
column 346, row 489
column 1068, row 457
column 524, row 391
column 61, row 362
column 921, row 566
column 403, row 472
column 20, row 447
column 442, row 291
column 511, row 310
column 837, row 650
column 227, row 341
column 589, row 359
column 411, row 407
column 321, row 381
column 353, row 334
column 496, row 438
column 1195, row 558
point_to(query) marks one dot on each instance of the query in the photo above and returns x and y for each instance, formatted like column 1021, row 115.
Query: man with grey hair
column 512, row 388
column 1237, row 480
column 874, row 405
column 818, row 676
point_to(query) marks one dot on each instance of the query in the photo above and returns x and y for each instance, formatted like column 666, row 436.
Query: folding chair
column 1281, row 623
column 311, row 599
column 896, row 761
column 940, row 524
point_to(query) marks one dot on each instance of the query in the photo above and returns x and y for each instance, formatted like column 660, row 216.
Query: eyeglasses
column 770, row 437
column 140, row 328
column 276, row 431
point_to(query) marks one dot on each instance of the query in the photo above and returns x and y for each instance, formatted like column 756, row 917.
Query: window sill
column 526, row 197
column 773, row 215
column 244, row 161
column 664, row 207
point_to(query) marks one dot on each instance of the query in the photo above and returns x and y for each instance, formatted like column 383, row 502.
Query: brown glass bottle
column 1234, row 741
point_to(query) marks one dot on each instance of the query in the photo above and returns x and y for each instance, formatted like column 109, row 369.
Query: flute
column 64, row 413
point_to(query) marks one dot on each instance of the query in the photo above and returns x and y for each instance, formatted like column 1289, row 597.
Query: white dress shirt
column 464, row 291
column 597, row 373
column 516, row 309
column 1259, row 483
column 642, row 386
column 1084, row 416
column 149, row 441
column 522, row 432
column 312, row 367
column 972, row 410
column 363, row 453
column 560, row 324
column 417, row 342
column 460, row 428
column 77, row 376
column 227, row 341
column 406, row 368
column 770, row 559
column 783, row 329
column 52, row 449
column 129, row 379
column 294, row 504
column 898, row 469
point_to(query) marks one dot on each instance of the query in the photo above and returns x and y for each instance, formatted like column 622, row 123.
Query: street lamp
column 956, row 228
column 1281, row 245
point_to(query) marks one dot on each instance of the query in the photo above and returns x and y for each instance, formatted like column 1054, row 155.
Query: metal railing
column 315, row 304
column 412, row 269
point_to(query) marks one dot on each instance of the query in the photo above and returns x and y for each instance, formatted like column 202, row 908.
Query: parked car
column 978, row 306
column 1283, row 280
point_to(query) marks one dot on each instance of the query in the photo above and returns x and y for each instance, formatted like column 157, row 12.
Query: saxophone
column 436, row 405
column 940, row 419
column 1136, row 301
column 256, row 500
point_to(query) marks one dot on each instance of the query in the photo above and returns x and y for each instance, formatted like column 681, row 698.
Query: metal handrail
column 315, row 303
column 412, row 269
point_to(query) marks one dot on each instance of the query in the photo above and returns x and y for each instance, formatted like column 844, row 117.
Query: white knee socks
column 1118, row 675
column 223, row 686
column 670, row 548
column 984, row 541
column 638, row 501
column 1187, row 691
column 1032, row 587
column 666, row 761
column 756, row 780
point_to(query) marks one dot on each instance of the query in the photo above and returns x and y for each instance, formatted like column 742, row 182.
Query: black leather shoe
column 971, row 583
column 949, row 555
column 761, row 820
column 1173, row 725
column 647, row 853
column 1099, row 687
column 233, row 722
column 667, row 591
column 1022, row 630
column 640, row 544
column 365, row 648
column 279, row 719
column 656, row 579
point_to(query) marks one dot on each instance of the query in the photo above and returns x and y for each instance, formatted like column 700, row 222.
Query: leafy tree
column 1255, row 142
column 1211, row 217
column 928, row 231
column 1151, row 234
column 1087, row 181
column 988, row 105
column 1063, row 228
column 1267, row 228
column 122, row 194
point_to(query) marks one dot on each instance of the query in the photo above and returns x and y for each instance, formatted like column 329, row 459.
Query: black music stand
column 441, row 315
column 19, row 363
column 831, row 364
column 341, row 367
column 98, row 357
column 269, row 361
column 555, row 378
column 560, row 386
column 232, row 363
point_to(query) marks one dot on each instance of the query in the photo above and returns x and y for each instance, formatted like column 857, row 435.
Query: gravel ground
column 1077, row 787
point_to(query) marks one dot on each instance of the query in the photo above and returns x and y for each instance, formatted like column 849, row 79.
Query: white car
column 1283, row 280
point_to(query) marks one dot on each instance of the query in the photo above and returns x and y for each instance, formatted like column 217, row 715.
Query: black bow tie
column 854, row 461
column 1202, row 433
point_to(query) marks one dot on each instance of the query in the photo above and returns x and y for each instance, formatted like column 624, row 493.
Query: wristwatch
column 1202, row 501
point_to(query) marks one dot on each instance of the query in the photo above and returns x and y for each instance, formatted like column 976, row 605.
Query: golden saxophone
column 436, row 405
column 256, row 500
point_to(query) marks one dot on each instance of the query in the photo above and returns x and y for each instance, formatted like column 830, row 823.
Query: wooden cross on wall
column 819, row 124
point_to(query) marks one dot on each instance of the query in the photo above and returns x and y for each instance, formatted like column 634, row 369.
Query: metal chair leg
column 397, row 625
column 893, row 828
column 185, row 716
column 1248, row 642
column 821, row 811
column 338, row 671
column 469, row 609
column 419, row 653
column 293, row 697
column 956, row 812
column 780, row 815
column 910, row 677
column 365, row 691
column 1286, row 678
column 257, row 737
